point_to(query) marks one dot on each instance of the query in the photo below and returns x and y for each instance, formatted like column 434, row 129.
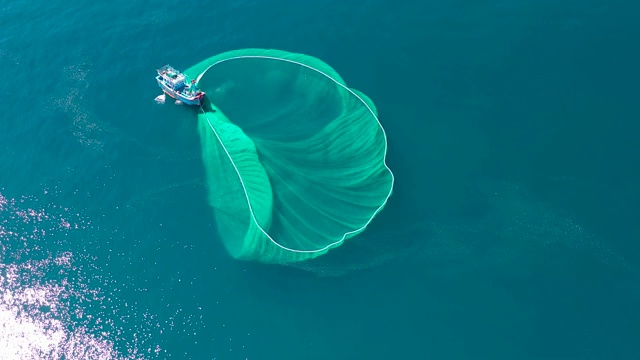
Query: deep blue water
column 512, row 232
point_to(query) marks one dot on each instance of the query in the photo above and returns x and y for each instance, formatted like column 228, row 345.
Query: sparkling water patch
column 53, row 300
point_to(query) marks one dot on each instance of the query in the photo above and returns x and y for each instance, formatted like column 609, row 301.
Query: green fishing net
column 294, row 159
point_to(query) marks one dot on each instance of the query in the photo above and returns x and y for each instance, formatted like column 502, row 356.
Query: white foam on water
column 160, row 99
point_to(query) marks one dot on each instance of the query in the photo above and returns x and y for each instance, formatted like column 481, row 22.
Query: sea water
column 512, row 232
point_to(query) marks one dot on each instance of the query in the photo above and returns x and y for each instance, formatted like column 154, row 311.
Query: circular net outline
column 240, row 176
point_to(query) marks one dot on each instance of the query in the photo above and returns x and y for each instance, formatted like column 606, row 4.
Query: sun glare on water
column 49, row 307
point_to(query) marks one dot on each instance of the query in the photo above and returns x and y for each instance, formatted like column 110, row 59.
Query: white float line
column 240, row 176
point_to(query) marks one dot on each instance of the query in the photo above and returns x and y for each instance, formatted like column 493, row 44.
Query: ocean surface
column 513, row 231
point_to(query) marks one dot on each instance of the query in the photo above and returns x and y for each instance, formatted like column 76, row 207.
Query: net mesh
column 295, row 160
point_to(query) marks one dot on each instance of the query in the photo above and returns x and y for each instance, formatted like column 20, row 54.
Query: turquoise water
column 512, row 233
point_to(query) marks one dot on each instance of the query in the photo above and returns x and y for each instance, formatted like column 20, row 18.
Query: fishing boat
column 175, row 84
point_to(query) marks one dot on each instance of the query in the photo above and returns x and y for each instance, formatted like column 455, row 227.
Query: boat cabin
column 172, row 78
